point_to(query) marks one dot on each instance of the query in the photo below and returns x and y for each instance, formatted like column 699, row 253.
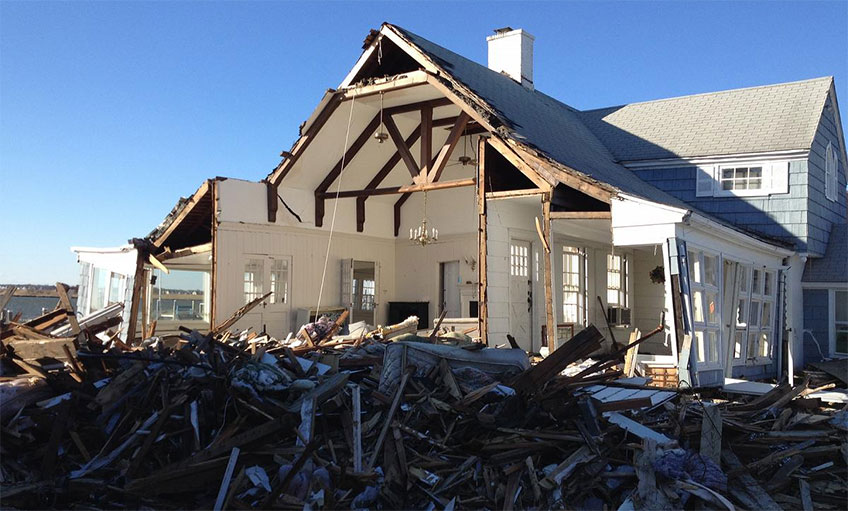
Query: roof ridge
column 712, row 93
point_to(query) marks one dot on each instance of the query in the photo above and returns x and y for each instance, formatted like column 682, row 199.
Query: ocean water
column 32, row 306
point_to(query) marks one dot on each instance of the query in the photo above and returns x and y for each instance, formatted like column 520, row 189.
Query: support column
column 482, row 252
column 549, row 288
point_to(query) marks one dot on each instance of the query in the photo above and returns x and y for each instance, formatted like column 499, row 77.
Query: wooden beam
column 581, row 215
column 391, row 190
column 65, row 303
column 398, row 205
column 337, row 168
column 512, row 194
column 447, row 149
column 542, row 182
column 402, row 146
column 273, row 201
column 549, row 289
column 138, row 281
column 426, row 142
column 183, row 252
column 306, row 138
column 389, row 166
column 391, row 84
column 482, row 245
column 188, row 208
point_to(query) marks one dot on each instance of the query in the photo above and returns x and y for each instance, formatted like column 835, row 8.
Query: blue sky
column 109, row 111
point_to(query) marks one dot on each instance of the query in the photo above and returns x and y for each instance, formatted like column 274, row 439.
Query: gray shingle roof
column 540, row 121
column 757, row 119
column 833, row 267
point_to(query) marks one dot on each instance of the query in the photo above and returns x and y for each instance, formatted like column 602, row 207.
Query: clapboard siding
column 782, row 216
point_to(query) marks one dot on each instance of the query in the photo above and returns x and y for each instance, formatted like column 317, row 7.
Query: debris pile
column 393, row 420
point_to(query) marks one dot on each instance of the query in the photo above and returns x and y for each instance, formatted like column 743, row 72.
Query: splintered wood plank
column 711, row 432
column 357, row 430
column 585, row 342
column 225, row 482
column 762, row 498
column 388, row 421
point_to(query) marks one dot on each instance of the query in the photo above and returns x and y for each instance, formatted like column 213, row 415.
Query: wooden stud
column 213, row 279
column 357, row 430
column 225, row 481
column 511, row 194
column 447, row 149
column 482, row 245
column 138, row 281
column 549, row 297
column 65, row 302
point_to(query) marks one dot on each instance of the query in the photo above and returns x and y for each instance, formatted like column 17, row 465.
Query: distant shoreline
column 36, row 293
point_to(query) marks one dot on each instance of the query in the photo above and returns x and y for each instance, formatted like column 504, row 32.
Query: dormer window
column 742, row 179
column 831, row 174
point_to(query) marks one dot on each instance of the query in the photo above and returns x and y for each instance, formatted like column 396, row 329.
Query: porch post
column 482, row 252
column 549, row 289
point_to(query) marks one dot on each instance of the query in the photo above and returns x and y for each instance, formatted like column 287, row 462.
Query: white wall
column 417, row 267
column 648, row 300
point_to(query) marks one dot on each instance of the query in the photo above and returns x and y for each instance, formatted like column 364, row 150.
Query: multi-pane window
column 99, row 289
column 617, row 280
column 572, row 288
column 840, row 326
column 755, row 313
column 518, row 260
column 279, row 281
column 703, row 282
column 253, row 275
column 367, row 297
column 741, row 178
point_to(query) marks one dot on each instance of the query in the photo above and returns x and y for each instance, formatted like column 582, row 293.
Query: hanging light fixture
column 465, row 159
column 381, row 136
column 421, row 234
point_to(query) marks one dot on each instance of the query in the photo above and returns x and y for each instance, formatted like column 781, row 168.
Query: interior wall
column 417, row 267
column 307, row 248
column 649, row 300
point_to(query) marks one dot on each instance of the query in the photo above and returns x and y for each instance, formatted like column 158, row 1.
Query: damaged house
column 428, row 184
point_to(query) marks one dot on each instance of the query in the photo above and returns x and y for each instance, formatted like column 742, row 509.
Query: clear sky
column 110, row 111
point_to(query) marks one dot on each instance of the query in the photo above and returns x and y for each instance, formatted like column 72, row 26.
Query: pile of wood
column 215, row 421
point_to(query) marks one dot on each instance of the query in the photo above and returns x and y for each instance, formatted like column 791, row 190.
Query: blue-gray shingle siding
column 816, row 317
column 823, row 212
column 781, row 216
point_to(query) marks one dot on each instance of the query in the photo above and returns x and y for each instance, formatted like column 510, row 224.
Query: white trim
column 360, row 62
column 831, row 324
column 824, row 285
column 732, row 235
column 791, row 155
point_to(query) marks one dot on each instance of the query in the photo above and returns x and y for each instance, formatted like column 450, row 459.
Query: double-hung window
column 703, row 283
column 617, row 280
column 573, row 289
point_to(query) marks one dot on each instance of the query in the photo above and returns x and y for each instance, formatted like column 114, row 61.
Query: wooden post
column 273, row 201
column 549, row 289
column 426, row 142
column 145, row 319
column 357, row 431
column 482, row 232
column 138, row 281
column 213, row 278
column 711, row 433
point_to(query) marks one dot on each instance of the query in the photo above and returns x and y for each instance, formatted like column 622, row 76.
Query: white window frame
column 623, row 290
column 580, row 292
column 831, row 173
column 775, row 179
column 750, row 295
column 832, row 324
column 698, row 284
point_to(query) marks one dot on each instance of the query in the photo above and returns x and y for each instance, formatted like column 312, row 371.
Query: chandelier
column 421, row 234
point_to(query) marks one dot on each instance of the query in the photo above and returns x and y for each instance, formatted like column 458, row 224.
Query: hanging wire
column 335, row 208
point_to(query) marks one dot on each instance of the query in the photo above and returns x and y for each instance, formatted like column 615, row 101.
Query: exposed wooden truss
column 425, row 172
